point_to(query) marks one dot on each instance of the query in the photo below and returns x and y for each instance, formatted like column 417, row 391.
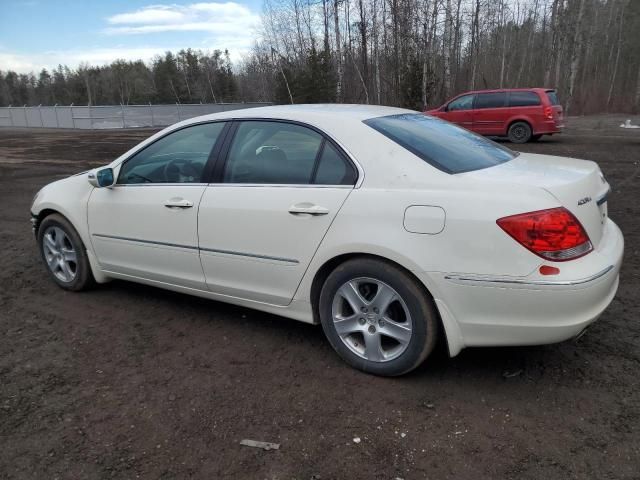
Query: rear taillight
column 553, row 234
column 548, row 112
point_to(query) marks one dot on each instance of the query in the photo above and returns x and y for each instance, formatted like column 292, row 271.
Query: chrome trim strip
column 498, row 280
column 158, row 184
column 280, row 185
column 190, row 247
column 164, row 244
column 604, row 197
column 250, row 255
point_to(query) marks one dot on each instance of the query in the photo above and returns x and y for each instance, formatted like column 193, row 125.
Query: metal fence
column 117, row 116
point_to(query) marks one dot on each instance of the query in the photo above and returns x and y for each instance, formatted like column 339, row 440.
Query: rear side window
column 445, row 146
column 269, row 152
column 272, row 152
column 553, row 97
column 490, row 100
column 333, row 169
column 524, row 99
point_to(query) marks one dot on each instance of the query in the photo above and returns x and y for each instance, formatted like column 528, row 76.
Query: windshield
column 447, row 147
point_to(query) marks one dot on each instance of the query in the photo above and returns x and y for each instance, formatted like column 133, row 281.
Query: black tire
column 535, row 138
column 519, row 132
column 82, row 276
column 423, row 317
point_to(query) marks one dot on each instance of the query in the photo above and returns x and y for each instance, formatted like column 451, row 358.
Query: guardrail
column 111, row 116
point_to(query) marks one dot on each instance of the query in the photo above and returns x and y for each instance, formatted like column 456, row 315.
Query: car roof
column 318, row 114
column 497, row 90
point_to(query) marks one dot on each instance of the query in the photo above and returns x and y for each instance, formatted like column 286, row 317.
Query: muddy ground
column 128, row 381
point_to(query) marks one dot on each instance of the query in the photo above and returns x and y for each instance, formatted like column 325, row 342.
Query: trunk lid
column 556, row 108
column 578, row 185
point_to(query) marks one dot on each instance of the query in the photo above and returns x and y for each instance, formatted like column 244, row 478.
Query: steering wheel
column 180, row 171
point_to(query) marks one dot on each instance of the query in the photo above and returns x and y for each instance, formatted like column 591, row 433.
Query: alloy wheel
column 60, row 254
column 371, row 319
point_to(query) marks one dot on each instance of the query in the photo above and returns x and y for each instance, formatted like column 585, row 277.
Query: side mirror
column 101, row 178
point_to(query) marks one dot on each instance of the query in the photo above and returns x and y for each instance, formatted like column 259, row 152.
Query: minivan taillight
column 548, row 112
column 554, row 234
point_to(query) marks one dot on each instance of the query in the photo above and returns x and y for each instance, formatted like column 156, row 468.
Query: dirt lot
column 127, row 381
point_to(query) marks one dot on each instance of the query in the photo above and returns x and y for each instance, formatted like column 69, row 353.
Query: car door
column 268, row 208
column 145, row 226
column 459, row 111
column 490, row 113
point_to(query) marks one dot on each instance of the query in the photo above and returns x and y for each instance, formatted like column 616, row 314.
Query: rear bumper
column 482, row 310
column 549, row 127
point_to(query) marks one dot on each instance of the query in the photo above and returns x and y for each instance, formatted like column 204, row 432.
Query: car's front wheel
column 519, row 132
column 377, row 317
column 63, row 254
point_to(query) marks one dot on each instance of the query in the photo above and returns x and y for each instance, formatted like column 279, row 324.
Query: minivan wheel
column 377, row 317
column 63, row 254
column 519, row 132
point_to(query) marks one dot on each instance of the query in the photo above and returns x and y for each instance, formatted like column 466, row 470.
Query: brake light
column 553, row 234
column 548, row 112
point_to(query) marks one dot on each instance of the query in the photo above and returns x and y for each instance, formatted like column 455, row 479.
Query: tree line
column 188, row 76
column 410, row 53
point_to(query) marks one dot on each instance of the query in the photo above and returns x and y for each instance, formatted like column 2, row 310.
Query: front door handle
column 178, row 203
column 307, row 208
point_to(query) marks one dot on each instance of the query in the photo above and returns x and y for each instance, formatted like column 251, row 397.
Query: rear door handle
column 178, row 203
column 307, row 208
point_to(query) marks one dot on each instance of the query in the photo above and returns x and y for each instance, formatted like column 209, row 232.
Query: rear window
column 491, row 100
column 553, row 97
column 447, row 147
column 523, row 99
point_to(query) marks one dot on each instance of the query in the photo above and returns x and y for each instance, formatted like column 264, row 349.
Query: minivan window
column 523, row 99
column 553, row 97
column 464, row 102
column 490, row 100
column 447, row 147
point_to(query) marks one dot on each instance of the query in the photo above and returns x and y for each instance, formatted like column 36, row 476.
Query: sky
column 36, row 34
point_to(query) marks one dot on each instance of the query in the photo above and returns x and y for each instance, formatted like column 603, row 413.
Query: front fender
column 69, row 197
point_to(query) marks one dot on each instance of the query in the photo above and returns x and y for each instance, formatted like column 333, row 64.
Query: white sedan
column 390, row 228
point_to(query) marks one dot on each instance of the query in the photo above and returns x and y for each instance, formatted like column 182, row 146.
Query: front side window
column 179, row 157
column 491, row 100
column 447, row 147
column 523, row 99
column 269, row 152
column 464, row 102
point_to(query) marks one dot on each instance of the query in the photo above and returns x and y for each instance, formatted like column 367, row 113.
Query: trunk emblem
column 584, row 200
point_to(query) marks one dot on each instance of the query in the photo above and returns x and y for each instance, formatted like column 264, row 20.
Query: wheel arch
column 331, row 264
column 44, row 213
column 526, row 120
column 93, row 262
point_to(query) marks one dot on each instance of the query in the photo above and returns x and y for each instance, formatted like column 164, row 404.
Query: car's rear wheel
column 519, row 132
column 64, row 254
column 377, row 317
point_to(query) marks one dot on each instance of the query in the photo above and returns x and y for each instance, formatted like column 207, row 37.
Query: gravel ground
column 128, row 381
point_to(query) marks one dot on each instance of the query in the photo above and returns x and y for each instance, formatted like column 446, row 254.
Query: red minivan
column 521, row 114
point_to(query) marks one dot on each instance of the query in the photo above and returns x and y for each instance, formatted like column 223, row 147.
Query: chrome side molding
column 291, row 261
column 520, row 281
